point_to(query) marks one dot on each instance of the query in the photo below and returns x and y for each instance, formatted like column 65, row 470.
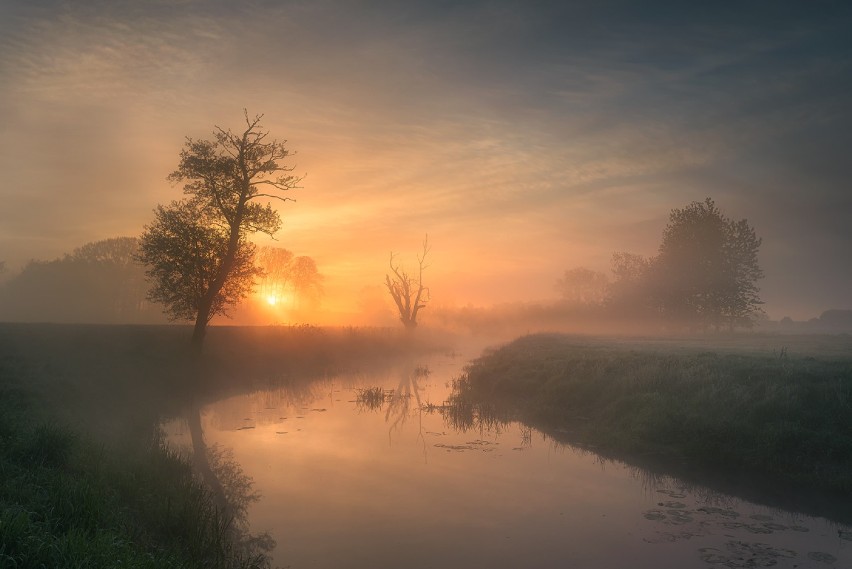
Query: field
column 769, row 411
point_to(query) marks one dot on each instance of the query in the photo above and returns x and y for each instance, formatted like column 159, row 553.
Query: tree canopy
column 704, row 275
column 707, row 268
column 199, row 258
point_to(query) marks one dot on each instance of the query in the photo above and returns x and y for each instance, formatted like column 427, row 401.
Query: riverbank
column 69, row 500
column 85, row 477
column 782, row 415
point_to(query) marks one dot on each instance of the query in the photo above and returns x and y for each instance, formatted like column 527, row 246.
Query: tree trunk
column 198, row 333
column 200, row 329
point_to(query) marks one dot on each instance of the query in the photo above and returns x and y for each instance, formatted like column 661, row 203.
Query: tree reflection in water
column 231, row 490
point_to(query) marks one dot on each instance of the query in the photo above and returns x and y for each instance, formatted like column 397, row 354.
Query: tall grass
column 65, row 501
column 781, row 417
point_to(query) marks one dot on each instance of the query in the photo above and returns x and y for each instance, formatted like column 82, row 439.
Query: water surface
column 352, row 481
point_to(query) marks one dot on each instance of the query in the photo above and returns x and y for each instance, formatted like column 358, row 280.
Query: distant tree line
column 704, row 275
column 104, row 282
column 98, row 282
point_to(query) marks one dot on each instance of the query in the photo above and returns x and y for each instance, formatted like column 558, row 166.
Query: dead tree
column 408, row 291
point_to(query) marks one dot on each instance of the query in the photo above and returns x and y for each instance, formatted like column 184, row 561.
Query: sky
column 525, row 138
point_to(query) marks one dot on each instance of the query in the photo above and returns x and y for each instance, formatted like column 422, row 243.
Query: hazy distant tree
column 706, row 271
column 408, row 292
column 836, row 319
column 629, row 268
column 283, row 272
column 276, row 264
column 629, row 291
column 583, row 286
column 98, row 282
column 119, row 251
column 115, row 262
column 307, row 281
column 197, row 249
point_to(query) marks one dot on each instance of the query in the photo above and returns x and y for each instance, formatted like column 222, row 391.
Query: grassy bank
column 781, row 416
column 68, row 500
column 85, row 479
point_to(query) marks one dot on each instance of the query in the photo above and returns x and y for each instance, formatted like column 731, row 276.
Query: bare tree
column 407, row 291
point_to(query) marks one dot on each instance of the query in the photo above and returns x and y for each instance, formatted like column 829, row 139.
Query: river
column 364, row 470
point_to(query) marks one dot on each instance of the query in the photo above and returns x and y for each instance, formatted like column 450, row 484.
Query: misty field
column 730, row 406
column 86, row 479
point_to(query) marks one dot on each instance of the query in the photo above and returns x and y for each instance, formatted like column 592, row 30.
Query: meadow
column 86, row 479
column 748, row 410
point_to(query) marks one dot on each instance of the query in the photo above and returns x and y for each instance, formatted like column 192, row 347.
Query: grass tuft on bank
column 785, row 417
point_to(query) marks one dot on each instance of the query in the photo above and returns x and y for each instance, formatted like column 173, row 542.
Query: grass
column 68, row 501
column 85, row 477
column 764, row 414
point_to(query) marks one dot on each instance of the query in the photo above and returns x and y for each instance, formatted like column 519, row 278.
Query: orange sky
column 520, row 140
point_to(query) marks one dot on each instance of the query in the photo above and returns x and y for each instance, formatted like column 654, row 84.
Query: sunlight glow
column 272, row 300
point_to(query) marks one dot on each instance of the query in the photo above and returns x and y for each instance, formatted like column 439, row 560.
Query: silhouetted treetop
column 197, row 249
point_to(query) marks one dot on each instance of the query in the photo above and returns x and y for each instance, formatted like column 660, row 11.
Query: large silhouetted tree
column 707, row 270
column 197, row 250
column 408, row 292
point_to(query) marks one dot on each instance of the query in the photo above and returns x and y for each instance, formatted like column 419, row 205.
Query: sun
column 272, row 300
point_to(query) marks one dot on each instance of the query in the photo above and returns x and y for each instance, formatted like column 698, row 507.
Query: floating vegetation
column 671, row 537
column 822, row 557
column 674, row 505
column 725, row 513
column 480, row 445
column 751, row 528
column 672, row 517
column 671, row 493
column 745, row 554
column 707, row 521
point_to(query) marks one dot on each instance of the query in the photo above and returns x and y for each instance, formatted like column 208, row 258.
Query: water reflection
column 231, row 489
column 492, row 492
column 408, row 389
